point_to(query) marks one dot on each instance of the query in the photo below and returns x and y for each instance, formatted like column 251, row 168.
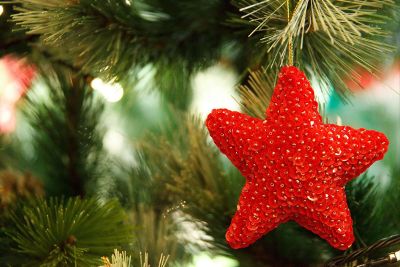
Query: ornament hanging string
column 289, row 18
column 290, row 44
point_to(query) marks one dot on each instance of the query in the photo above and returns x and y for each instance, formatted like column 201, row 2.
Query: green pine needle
column 71, row 232
column 256, row 93
column 67, row 138
column 156, row 233
column 115, row 39
column 330, row 38
column 349, row 21
column 183, row 160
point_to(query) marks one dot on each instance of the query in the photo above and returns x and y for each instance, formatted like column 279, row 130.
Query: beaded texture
column 296, row 167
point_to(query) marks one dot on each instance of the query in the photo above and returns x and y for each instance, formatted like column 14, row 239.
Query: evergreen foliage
column 65, row 115
column 156, row 234
column 330, row 38
column 71, row 232
column 181, row 37
column 12, row 41
column 256, row 93
column 370, row 209
column 110, row 38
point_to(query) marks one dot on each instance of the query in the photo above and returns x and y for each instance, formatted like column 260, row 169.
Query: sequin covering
column 296, row 167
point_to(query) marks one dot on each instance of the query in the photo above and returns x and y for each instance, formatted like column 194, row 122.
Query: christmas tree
column 109, row 146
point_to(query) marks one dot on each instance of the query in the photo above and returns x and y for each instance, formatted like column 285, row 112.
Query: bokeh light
column 219, row 82
column 112, row 92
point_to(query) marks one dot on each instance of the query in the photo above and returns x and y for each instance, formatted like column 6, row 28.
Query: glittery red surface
column 295, row 166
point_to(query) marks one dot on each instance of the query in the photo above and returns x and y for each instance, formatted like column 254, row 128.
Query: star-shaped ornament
column 296, row 167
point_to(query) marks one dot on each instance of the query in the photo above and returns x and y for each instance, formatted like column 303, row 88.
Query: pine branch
column 156, row 223
column 131, row 35
column 349, row 21
column 370, row 205
column 67, row 137
column 67, row 233
column 12, row 40
column 156, row 234
column 330, row 38
column 178, row 159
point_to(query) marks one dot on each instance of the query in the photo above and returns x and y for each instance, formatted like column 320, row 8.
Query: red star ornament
column 296, row 167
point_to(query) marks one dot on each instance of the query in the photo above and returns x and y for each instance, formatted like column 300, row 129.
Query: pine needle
column 256, row 93
column 116, row 39
column 120, row 259
column 68, row 137
column 183, row 160
column 59, row 232
column 330, row 37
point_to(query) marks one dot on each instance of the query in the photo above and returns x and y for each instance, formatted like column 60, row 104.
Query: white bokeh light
column 219, row 261
column 113, row 141
column 7, row 118
column 214, row 88
column 118, row 145
column 1, row 10
column 5, row 115
column 112, row 92
column 11, row 92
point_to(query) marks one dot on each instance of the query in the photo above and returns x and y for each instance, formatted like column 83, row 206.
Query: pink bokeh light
column 16, row 76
